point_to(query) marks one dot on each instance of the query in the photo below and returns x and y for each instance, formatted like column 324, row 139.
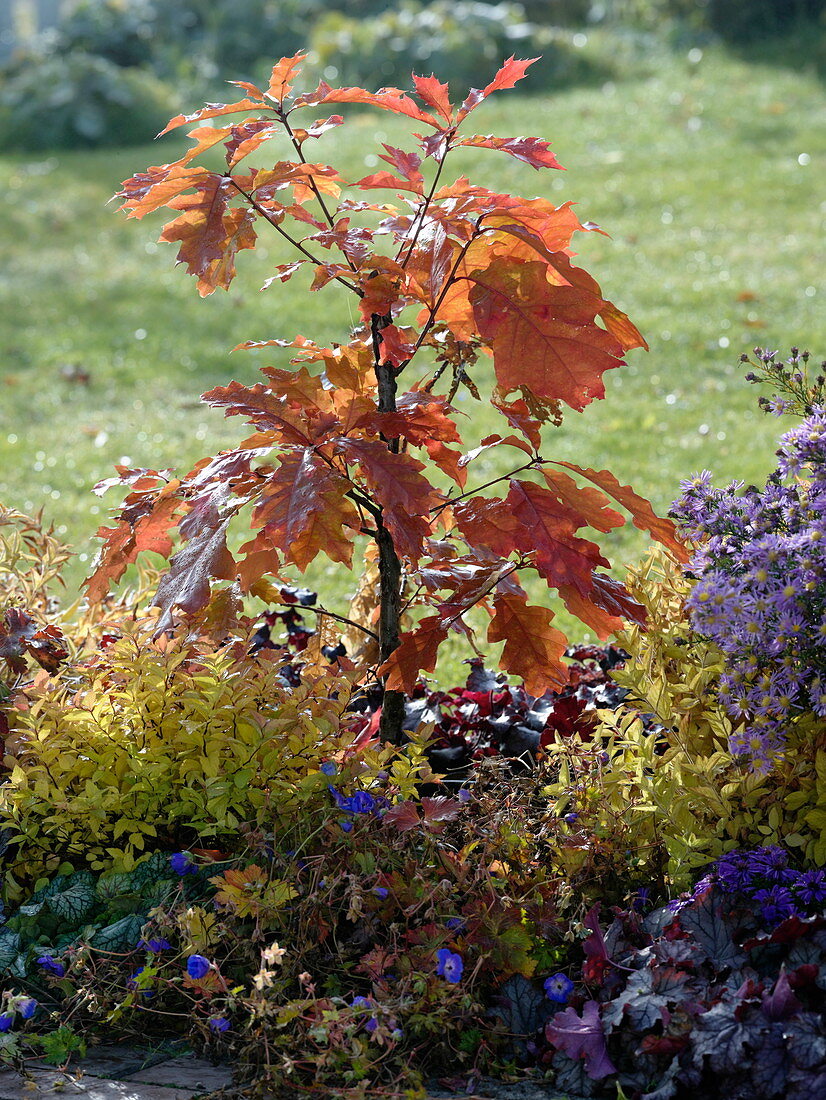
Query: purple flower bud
column 48, row 963
column 346, row 826
column 181, row 864
column 197, row 967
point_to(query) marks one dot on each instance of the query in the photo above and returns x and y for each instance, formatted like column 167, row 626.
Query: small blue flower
column 197, row 967
column 48, row 963
column 371, row 1025
column 346, row 826
column 558, row 988
column 328, row 767
column 464, row 795
column 219, row 1024
column 27, row 1007
column 455, row 924
column 396, row 1034
column 570, row 818
column 380, row 891
column 154, row 945
column 450, row 965
column 181, row 864
column 6, row 1021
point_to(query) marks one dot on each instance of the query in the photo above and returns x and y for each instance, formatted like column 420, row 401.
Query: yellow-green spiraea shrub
column 657, row 806
column 158, row 745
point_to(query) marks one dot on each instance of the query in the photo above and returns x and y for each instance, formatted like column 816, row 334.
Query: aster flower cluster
column 763, row 876
column 761, row 588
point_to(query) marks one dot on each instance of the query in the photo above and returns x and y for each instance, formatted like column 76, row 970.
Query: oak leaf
column 533, row 648
column 305, row 511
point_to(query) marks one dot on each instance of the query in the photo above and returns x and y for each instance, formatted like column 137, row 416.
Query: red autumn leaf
column 533, row 648
column 544, row 337
column 420, row 418
column 387, row 179
column 380, row 293
column 387, row 99
column 281, row 79
column 187, row 583
column 20, row 634
column 440, row 809
column 212, row 110
column 604, row 608
column 247, row 136
column 490, row 524
column 144, row 525
column 200, row 229
column 261, row 407
column 240, row 234
column 531, row 150
column 416, row 653
column 404, row 816
column 149, row 190
column 435, row 94
column 643, row 515
column 406, row 164
column 394, row 347
column 511, row 72
column 304, row 510
column 559, row 555
column 589, row 506
column 317, row 128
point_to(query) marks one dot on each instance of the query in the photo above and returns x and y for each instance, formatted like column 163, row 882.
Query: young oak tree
column 345, row 443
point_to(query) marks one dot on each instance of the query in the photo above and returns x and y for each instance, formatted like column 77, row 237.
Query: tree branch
column 296, row 244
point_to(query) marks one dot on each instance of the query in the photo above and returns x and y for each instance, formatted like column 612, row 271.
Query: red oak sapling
column 340, row 447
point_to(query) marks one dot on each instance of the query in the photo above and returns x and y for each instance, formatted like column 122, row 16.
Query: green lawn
column 708, row 176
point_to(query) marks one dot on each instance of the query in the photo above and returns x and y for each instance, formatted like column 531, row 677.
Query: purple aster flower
column 450, row 965
column 776, row 904
column 810, row 888
column 197, row 967
column 182, row 864
column 219, row 1024
column 558, row 988
column 48, row 963
column 6, row 1021
column 27, row 1007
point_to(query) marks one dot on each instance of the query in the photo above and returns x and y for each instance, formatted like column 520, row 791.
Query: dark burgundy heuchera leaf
column 722, row 1038
column 523, row 1009
column 582, row 1037
column 781, row 1002
column 711, row 930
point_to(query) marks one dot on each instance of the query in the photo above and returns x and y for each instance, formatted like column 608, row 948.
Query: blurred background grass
column 691, row 131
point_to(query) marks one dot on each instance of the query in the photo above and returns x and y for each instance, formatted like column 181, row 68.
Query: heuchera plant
column 717, row 995
column 450, row 271
column 761, row 569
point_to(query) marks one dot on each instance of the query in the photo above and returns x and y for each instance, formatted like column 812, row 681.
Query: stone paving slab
column 186, row 1072
column 58, row 1085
